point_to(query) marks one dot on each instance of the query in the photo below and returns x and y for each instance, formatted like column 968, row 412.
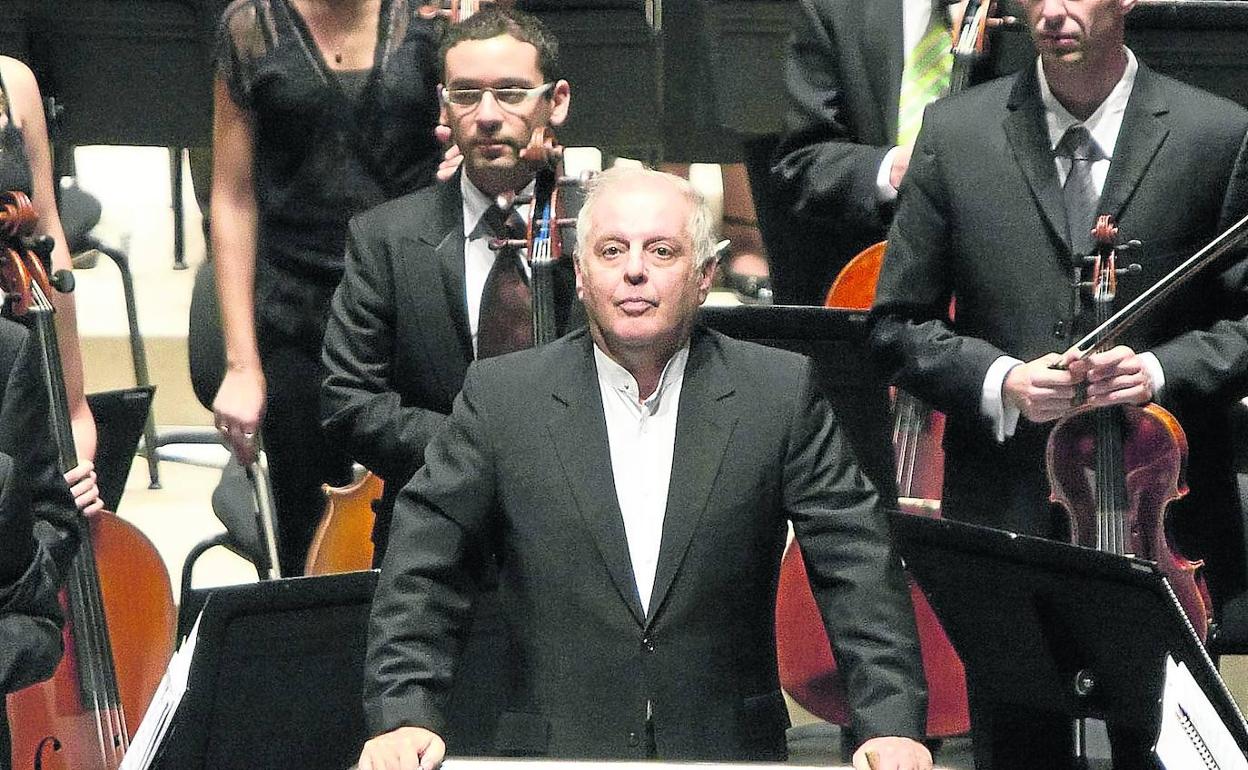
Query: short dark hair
column 494, row 21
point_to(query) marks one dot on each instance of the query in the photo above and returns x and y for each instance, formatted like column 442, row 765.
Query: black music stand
column 276, row 680
column 1047, row 630
column 837, row 342
column 120, row 416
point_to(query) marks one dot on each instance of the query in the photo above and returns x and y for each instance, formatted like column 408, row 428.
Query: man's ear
column 580, row 289
column 560, row 98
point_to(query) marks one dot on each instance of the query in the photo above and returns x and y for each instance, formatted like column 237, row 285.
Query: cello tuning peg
column 1130, row 269
column 565, row 222
column 62, row 281
column 522, row 199
column 1134, row 243
column 577, row 180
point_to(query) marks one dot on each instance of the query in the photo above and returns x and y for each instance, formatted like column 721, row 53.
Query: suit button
column 1059, row 330
column 633, row 738
column 647, row 644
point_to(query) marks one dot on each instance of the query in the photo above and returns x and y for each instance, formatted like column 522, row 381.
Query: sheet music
column 1192, row 735
column 151, row 732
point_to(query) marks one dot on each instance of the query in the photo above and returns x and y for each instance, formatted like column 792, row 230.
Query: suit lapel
column 446, row 237
column 1139, row 139
column 1029, row 140
column 578, row 430
column 704, row 425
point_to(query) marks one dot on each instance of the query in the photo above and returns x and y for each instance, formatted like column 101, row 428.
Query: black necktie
column 1079, row 192
column 506, row 320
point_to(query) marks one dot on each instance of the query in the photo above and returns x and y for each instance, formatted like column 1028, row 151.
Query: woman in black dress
column 323, row 108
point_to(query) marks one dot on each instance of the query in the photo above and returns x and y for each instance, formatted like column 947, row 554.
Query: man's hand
column 407, row 748
column 1039, row 392
column 85, row 488
column 889, row 753
column 452, row 158
column 1115, row 377
column 901, row 162
column 238, row 408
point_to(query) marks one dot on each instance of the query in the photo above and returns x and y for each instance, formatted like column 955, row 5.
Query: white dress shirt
column 478, row 256
column 1104, row 125
column 642, row 438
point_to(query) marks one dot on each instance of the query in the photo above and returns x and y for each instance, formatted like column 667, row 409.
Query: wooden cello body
column 118, row 604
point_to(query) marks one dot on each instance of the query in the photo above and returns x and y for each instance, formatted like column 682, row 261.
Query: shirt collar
column 1104, row 123
column 615, row 377
column 476, row 203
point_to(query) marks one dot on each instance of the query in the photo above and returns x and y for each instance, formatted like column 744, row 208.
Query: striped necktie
column 925, row 76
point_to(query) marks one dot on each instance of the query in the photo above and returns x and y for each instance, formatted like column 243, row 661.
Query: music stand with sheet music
column 1049, row 628
column 276, row 678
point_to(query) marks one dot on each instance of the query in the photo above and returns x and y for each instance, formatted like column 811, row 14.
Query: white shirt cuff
column 884, row 190
column 1153, row 367
column 992, row 405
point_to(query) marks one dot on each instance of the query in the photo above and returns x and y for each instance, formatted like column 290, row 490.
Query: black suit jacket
column 398, row 341
column 843, row 76
column 524, row 462
column 981, row 219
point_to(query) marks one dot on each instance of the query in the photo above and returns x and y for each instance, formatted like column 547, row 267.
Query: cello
column 118, row 603
column 343, row 539
column 1115, row 469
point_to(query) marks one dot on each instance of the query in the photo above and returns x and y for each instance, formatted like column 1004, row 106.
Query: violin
column 118, row 602
column 1116, row 469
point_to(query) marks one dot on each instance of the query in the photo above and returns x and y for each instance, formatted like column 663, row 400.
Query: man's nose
column 488, row 109
column 1052, row 11
column 635, row 266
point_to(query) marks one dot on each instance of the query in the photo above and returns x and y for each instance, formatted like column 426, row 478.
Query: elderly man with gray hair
column 637, row 479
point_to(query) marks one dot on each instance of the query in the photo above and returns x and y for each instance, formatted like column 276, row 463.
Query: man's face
column 637, row 280
column 489, row 133
column 1071, row 31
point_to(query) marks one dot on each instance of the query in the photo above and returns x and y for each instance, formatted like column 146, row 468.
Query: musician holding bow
column 996, row 212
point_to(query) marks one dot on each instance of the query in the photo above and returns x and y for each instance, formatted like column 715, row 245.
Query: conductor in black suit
column 638, row 480
column 844, row 154
column 414, row 307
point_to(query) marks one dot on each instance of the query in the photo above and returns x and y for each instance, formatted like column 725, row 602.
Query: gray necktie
column 1079, row 192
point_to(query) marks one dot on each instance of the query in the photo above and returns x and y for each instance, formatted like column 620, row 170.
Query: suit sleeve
column 912, row 339
column 358, row 404
column 35, row 509
column 854, row 573
column 1212, row 363
column 426, row 589
column 822, row 165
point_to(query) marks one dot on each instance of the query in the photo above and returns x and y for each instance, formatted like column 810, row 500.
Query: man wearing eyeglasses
column 424, row 295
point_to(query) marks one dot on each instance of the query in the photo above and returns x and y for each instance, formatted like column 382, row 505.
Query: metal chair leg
column 179, row 213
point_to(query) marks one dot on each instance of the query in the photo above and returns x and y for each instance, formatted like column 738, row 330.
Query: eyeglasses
column 506, row 97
